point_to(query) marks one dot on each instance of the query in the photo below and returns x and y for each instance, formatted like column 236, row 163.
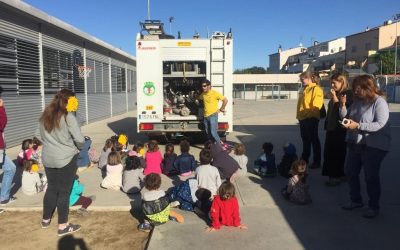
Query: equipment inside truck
column 182, row 85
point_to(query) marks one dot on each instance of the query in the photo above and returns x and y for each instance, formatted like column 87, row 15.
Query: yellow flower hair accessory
column 34, row 168
column 122, row 139
column 72, row 105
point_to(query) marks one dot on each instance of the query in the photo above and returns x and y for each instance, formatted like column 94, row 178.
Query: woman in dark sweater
column 226, row 165
column 335, row 144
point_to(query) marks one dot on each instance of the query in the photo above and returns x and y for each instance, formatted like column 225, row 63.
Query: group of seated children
column 290, row 167
column 206, row 194
column 30, row 158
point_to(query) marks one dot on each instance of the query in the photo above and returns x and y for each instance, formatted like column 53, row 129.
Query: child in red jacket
column 225, row 208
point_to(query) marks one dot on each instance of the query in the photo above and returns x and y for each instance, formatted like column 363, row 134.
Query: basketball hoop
column 83, row 71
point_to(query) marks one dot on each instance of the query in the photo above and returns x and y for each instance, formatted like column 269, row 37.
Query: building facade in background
column 40, row 54
column 278, row 60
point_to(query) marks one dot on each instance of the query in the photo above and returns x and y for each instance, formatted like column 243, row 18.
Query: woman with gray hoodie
column 62, row 140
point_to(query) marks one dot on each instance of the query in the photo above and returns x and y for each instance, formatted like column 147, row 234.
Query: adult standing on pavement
column 311, row 100
column 211, row 100
column 368, row 141
column 335, row 144
column 6, row 163
column 61, row 136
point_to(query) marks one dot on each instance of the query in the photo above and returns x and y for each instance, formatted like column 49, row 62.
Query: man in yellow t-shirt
column 211, row 100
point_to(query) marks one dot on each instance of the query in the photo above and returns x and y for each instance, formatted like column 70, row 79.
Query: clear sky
column 258, row 26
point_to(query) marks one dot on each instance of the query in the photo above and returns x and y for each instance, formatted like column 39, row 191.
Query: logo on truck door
column 149, row 88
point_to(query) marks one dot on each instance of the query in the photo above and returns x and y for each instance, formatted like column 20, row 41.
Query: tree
column 386, row 62
column 252, row 70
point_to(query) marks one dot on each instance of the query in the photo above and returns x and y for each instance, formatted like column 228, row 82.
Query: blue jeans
column 211, row 127
column 83, row 157
column 9, row 169
column 370, row 159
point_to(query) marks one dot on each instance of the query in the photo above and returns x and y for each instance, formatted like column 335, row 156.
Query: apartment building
column 361, row 45
column 278, row 60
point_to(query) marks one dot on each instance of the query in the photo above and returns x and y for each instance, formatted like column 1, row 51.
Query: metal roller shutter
column 118, row 103
column 98, row 106
column 23, row 114
column 20, row 79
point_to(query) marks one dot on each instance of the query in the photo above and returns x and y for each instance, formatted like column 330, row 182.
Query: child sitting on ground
column 31, row 183
column 113, row 179
column 265, row 164
column 185, row 163
column 289, row 156
column 153, row 159
column 76, row 198
column 183, row 195
column 207, row 175
column 132, row 179
column 238, row 154
column 37, row 152
column 107, row 149
column 297, row 190
column 225, row 208
column 203, row 203
column 155, row 204
column 168, row 161
column 26, row 151
column 140, row 148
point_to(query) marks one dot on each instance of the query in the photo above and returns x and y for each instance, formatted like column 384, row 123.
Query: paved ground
column 273, row 223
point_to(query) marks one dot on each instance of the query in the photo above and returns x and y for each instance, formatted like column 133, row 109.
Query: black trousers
column 60, row 182
column 334, row 153
column 309, row 136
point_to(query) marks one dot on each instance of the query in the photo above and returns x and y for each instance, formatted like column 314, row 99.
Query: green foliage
column 252, row 70
column 386, row 61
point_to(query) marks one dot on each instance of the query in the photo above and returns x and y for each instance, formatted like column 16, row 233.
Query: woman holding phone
column 335, row 144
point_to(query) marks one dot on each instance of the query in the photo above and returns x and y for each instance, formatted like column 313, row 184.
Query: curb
column 95, row 208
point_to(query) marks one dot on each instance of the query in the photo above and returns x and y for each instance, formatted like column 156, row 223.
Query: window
column 353, row 49
column 367, row 46
column 19, row 66
column 118, row 83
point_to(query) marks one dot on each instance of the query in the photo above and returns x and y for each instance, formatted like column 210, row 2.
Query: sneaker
column 2, row 211
column 370, row 213
column 69, row 229
column 176, row 216
column 82, row 211
column 352, row 205
column 9, row 200
column 315, row 165
column 145, row 227
column 175, row 204
column 45, row 224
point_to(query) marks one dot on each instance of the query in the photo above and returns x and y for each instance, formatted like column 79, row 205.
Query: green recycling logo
column 149, row 88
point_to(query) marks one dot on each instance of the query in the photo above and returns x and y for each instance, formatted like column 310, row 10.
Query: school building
column 40, row 54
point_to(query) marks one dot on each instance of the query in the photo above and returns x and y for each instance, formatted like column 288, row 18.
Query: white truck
column 169, row 76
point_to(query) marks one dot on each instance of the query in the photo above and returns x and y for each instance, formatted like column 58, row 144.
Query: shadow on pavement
column 69, row 242
column 323, row 224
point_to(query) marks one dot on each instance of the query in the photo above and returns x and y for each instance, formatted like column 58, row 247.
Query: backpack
column 322, row 111
column 93, row 155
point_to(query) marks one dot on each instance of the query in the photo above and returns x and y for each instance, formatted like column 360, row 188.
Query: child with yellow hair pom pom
column 31, row 183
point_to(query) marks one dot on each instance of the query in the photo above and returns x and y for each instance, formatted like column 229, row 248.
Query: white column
column 126, row 87
column 110, row 82
column 85, row 84
column 41, row 70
